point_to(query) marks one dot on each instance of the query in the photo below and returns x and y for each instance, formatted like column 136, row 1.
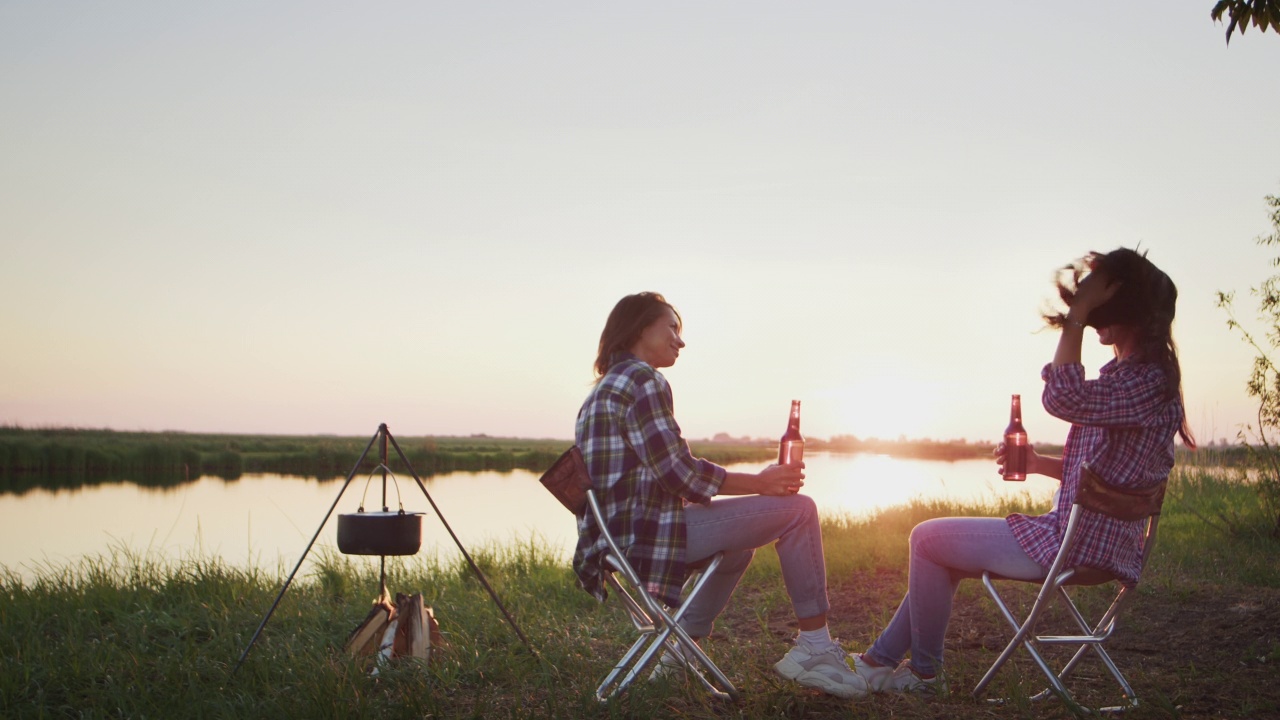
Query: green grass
column 125, row 635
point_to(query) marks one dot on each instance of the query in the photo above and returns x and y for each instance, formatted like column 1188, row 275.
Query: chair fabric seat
column 1081, row 575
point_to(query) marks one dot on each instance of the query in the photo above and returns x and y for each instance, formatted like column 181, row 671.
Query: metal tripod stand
column 384, row 435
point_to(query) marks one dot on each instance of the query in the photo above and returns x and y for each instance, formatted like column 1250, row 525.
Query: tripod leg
column 289, row 581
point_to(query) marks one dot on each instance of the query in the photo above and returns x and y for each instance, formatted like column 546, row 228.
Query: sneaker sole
column 792, row 670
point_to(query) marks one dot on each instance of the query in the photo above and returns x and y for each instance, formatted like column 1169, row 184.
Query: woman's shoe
column 875, row 675
column 905, row 680
column 827, row 670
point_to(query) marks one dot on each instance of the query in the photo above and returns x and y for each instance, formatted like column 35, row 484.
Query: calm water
column 267, row 520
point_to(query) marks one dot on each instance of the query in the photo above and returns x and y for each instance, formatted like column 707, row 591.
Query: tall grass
column 127, row 635
column 1215, row 526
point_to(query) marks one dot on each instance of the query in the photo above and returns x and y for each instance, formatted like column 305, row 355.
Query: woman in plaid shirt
column 1123, row 425
column 657, row 499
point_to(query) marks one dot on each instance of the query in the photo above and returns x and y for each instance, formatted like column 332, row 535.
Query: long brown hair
column 626, row 322
column 1145, row 301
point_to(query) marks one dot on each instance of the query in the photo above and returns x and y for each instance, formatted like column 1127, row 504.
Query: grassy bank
column 60, row 458
column 127, row 636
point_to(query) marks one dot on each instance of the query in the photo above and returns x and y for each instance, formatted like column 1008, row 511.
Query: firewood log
column 364, row 640
column 413, row 635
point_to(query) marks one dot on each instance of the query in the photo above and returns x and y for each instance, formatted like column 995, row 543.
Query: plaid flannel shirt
column 1122, row 425
column 642, row 472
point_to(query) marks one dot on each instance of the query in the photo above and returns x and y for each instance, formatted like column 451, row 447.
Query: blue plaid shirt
column 643, row 473
column 1122, row 425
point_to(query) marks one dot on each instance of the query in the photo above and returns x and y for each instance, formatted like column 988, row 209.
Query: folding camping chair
column 1095, row 495
column 658, row 627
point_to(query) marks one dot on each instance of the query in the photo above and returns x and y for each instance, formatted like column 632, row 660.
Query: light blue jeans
column 738, row 525
column 944, row 551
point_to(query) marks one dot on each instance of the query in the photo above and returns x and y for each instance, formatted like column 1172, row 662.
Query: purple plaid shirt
column 1122, row 425
column 642, row 472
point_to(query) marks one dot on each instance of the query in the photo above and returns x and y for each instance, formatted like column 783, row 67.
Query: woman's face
column 1120, row 337
column 660, row 343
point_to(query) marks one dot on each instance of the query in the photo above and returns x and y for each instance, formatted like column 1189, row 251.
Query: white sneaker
column 905, row 680
column 826, row 670
column 875, row 675
column 670, row 666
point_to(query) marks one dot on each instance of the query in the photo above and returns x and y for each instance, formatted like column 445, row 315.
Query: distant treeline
column 65, row 458
column 918, row 449
column 68, row 458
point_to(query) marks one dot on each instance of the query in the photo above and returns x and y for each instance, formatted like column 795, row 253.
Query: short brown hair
column 626, row 322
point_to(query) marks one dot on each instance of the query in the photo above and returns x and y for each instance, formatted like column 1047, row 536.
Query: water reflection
column 267, row 520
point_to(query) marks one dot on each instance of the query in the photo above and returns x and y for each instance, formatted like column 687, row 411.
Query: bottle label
column 790, row 452
column 1015, row 457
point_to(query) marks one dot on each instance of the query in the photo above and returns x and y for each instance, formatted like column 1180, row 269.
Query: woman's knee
column 924, row 535
column 922, row 532
column 805, row 507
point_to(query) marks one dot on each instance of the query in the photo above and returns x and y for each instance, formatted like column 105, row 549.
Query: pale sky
column 299, row 217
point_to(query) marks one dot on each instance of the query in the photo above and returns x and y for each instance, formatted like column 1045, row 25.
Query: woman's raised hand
column 1095, row 289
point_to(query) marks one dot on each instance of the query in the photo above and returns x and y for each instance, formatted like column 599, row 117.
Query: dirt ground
column 1192, row 652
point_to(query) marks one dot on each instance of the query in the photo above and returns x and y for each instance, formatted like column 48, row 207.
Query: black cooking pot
column 380, row 533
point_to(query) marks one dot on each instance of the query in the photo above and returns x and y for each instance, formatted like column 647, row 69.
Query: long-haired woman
column 1123, row 425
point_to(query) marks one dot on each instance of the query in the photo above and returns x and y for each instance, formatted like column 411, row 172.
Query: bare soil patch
column 1200, row 651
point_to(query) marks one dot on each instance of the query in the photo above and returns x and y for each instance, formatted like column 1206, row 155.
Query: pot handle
column 395, row 481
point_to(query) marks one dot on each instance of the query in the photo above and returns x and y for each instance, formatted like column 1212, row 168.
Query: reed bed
column 64, row 458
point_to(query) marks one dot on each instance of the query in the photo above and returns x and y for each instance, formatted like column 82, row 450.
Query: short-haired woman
column 667, row 509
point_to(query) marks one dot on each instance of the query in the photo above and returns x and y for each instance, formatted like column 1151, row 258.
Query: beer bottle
column 791, row 447
column 1015, row 443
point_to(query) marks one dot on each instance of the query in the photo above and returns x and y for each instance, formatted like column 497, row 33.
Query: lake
column 266, row 521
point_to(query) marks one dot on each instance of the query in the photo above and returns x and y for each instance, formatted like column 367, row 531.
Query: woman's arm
column 1093, row 291
column 773, row 480
column 1046, row 465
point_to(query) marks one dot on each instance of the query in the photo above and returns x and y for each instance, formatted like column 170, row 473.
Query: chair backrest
column 1122, row 503
column 568, row 480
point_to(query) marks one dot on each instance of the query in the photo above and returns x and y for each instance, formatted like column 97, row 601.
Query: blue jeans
column 738, row 525
column 943, row 552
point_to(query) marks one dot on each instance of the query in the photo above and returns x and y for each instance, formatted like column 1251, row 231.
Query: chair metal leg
column 1091, row 638
column 1095, row 495
column 660, row 630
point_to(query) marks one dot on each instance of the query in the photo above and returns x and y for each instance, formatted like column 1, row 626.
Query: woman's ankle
column 868, row 660
column 922, row 675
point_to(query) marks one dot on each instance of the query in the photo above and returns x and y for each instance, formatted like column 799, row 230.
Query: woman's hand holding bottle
column 781, row 479
column 1033, row 460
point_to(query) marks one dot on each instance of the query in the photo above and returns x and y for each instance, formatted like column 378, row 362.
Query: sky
column 313, row 218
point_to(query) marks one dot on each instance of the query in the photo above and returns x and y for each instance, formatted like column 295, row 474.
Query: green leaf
column 1260, row 16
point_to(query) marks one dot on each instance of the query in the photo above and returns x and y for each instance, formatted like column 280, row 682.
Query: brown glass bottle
column 1015, row 443
column 791, row 447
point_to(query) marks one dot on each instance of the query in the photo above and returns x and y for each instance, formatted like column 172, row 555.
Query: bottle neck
column 793, row 422
column 1015, row 415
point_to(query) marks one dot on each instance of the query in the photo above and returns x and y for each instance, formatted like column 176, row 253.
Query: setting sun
column 886, row 405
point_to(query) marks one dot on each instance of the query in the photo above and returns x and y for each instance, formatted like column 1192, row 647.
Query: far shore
column 66, row 457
